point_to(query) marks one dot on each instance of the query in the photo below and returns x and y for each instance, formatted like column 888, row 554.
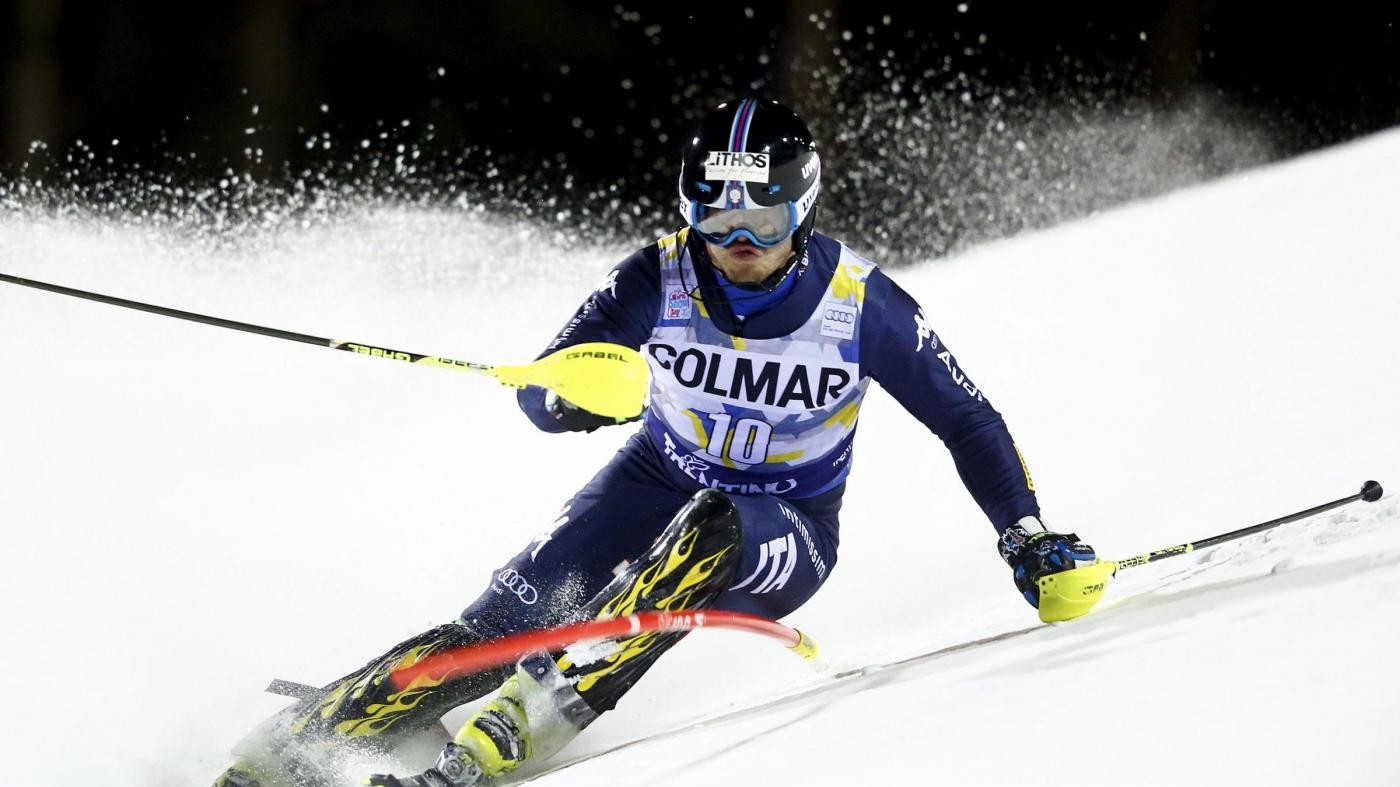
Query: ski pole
column 1072, row 593
column 607, row 379
column 1370, row 492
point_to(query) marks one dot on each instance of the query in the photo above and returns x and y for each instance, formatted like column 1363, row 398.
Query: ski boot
column 535, row 714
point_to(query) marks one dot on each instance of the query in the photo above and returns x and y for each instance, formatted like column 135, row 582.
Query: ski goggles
column 765, row 227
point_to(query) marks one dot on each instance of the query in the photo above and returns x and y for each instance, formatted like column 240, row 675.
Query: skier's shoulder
column 646, row 262
column 824, row 252
column 846, row 268
column 885, row 307
column 639, row 272
column 669, row 248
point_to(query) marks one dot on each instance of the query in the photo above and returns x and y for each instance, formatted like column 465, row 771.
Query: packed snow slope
column 188, row 512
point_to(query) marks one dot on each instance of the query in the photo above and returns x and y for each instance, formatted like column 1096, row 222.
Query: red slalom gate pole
column 506, row 650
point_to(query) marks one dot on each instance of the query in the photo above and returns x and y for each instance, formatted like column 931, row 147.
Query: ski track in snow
column 189, row 512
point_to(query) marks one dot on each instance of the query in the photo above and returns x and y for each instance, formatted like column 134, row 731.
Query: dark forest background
column 942, row 123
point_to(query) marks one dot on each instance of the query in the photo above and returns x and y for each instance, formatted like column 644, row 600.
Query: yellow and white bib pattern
column 753, row 416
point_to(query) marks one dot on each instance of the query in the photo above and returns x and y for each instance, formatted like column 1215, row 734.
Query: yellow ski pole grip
column 1066, row 595
column 603, row 378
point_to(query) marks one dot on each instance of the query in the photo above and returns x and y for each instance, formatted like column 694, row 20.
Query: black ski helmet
column 751, row 154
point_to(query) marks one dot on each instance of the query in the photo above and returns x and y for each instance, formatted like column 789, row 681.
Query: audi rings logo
column 839, row 321
column 516, row 584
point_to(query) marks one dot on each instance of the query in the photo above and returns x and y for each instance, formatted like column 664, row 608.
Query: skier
column 762, row 336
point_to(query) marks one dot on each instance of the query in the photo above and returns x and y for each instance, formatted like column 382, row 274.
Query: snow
column 189, row 512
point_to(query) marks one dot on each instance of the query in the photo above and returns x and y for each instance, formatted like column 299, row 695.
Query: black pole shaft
column 168, row 312
column 1283, row 520
column 1370, row 492
column 276, row 333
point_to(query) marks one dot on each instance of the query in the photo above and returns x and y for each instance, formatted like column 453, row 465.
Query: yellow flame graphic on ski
column 380, row 716
column 625, row 603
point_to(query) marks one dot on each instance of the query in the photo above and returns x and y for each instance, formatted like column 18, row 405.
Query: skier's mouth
column 744, row 252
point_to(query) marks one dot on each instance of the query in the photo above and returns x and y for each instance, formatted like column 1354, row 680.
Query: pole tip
column 1371, row 491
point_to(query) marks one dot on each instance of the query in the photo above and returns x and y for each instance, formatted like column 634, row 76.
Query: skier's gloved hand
column 575, row 418
column 1034, row 552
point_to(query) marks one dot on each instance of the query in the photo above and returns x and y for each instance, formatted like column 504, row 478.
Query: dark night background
column 941, row 124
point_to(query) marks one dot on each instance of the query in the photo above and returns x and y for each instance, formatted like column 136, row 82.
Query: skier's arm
column 910, row 361
column 621, row 311
column 901, row 352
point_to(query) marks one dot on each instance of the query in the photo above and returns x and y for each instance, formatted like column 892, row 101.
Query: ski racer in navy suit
column 762, row 337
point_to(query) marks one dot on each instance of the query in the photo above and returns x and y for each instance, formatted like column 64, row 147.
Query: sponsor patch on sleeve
column 923, row 332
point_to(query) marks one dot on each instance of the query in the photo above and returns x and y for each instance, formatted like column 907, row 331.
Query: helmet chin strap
column 772, row 280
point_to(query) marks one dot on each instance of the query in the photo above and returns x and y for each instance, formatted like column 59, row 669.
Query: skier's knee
column 708, row 533
column 707, row 529
column 714, row 519
column 687, row 567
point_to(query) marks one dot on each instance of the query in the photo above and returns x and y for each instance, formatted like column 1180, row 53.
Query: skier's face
column 744, row 263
